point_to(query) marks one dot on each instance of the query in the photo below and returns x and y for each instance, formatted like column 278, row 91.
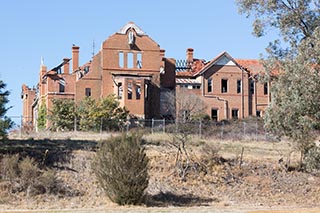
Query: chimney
column 162, row 53
column 66, row 65
column 189, row 55
column 75, row 58
column 43, row 70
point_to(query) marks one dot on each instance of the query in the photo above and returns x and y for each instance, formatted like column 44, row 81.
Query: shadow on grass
column 171, row 199
column 46, row 152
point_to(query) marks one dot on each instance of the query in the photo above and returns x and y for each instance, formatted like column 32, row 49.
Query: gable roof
column 220, row 60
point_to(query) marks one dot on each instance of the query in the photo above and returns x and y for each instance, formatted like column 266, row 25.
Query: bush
column 25, row 175
column 9, row 167
column 312, row 159
column 48, row 180
column 29, row 172
column 120, row 166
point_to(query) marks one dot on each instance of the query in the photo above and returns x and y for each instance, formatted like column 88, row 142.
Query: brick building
column 134, row 68
column 227, row 86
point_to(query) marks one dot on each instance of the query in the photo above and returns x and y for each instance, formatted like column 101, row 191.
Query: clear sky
column 33, row 29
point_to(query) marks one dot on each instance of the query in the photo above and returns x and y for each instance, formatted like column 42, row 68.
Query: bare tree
column 190, row 108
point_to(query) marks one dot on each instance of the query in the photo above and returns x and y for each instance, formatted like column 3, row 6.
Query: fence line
column 235, row 129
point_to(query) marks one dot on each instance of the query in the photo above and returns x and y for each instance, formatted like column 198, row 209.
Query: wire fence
column 248, row 129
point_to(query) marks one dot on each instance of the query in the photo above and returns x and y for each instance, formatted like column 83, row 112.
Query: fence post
column 101, row 120
column 127, row 125
column 222, row 129
column 75, row 123
column 244, row 128
column 21, row 127
column 164, row 125
column 200, row 129
column 256, row 130
column 152, row 125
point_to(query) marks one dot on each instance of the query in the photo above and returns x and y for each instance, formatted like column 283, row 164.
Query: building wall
column 130, row 60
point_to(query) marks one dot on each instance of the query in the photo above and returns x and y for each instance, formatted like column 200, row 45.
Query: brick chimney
column 189, row 55
column 75, row 58
column 66, row 65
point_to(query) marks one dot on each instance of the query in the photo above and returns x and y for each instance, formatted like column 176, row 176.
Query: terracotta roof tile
column 253, row 66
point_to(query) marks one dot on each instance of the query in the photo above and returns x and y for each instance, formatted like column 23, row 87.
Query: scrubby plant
column 48, row 181
column 25, row 175
column 121, row 168
column 9, row 167
column 312, row 159
column 29, row 172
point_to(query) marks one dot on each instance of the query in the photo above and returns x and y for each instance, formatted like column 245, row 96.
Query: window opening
column 235, row 113
column 88, row 92
column 239, row 86
column 251, row 86
column 121, row 59
column 129, row 90
column 265, row 88
column 224, row 85
column 214, row 114
column 62, row 86
column 138, row 91
column 139, row 60
column 130, row 60
column 146, row 91
column 120, row 90
column 210, row 85
column 258, row 113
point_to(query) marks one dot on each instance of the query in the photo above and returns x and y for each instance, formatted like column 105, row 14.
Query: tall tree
column 62, row 114
column 5, row 122
column 294, row 110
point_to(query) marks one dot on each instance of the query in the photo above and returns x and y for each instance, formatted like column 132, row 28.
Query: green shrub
column 121, row 169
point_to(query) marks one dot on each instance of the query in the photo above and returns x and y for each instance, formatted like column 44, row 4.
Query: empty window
column 214, row 114
column 120, row 90
column 129, row 90
column 186, row 115
column 235, row 113
column 258, row 113
column 265, row 88
column 121, row 59
column 130, row 60
column 61, row 86
column 146, row 91
column 196, row 87
column 251, row 86
column 88, row 92
column 239, row 86
column 139, row 60
column 210, row 85
column 224, row 85
column 138, row 91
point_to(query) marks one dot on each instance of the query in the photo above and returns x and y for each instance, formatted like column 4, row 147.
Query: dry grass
column 259, row 182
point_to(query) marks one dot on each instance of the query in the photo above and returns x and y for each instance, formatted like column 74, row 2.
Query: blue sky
column 34, row 29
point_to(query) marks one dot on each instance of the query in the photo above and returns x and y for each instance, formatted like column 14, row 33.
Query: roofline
column 213, row 61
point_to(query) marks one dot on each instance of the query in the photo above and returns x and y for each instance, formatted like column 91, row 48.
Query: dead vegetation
column 223, row 173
